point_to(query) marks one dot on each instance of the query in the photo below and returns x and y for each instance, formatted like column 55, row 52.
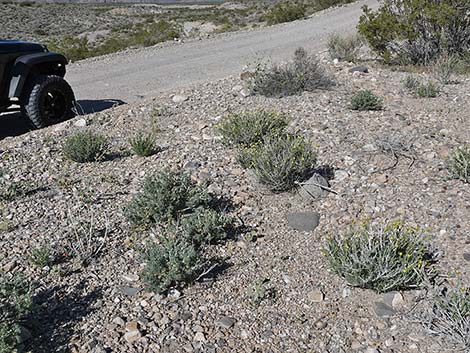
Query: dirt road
column 140, row 73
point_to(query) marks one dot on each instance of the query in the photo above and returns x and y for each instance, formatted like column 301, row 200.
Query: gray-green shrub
column 304, row 73
column 419, row 88
column 280, row 161
column 143, row 145
column 444, row 67
column 450, row 315
column 344, row 48
column 248, row 128
column 382, row 258
column 174, row 262
column 165, row 197
column 366, row 100
column 15, row 304
column 459, row 163
column 285, row 11
column 205, row 226
column 85, row 146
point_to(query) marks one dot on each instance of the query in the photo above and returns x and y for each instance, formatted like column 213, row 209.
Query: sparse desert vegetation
column 267, row 221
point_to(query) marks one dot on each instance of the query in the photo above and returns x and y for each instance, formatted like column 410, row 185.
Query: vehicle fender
column 26, row 64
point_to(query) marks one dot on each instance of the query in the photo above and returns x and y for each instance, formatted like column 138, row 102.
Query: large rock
column 311, row 189
column 303, row 221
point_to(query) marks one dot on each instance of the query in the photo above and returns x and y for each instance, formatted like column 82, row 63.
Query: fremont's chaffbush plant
column 380, row 257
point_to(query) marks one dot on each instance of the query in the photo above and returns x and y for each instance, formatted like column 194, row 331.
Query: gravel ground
column 105, row 308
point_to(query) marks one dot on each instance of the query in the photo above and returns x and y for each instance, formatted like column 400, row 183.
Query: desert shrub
column 174, row 262
column 366, row 100
column 427, row 90
column 205, row 226
column 444, row 67
column 459, row 164
column 85, row 147
column 280, row 160
column 417, row 31
column 450, row 314
column 165, row 197
column 285, row 11
column 74, row 48
column 382, row 258
column 143, row 145
column 419, row 88
column 10, row 190
column 15, row 304
column 304, row 73
column 344, row 48
column 249, row 128
column 41, row 256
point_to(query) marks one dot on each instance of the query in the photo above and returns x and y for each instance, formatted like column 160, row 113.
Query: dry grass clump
column 344, row 48
column 459, row 164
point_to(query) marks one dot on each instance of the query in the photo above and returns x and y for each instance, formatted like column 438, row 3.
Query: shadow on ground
column 13, row 124
column 58, row 309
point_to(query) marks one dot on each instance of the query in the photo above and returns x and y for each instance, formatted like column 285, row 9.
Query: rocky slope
column 105, row 308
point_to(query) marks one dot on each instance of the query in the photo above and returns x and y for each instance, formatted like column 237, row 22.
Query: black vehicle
column 32, row 77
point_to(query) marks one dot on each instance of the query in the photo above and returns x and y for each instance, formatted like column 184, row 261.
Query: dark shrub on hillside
column 286, row 11
column 417, row 31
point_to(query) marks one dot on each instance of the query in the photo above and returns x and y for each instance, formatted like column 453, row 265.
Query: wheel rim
column 54, row 105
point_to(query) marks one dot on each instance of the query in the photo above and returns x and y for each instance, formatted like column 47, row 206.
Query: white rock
column 179, row 98
column 80, row 123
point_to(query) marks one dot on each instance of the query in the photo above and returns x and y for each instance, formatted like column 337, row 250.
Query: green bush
column 285, row 11
column 450, row 315
column 382, row 258
column 174, row 262
column 444, row 67
column 205, row 226
column 143, row 145
column 280, row 160
column 366, row 100
column 344, row 48
column 165, row 197
column 249, row 128
column 417, row 31
column 304, row 73
column 85, row 147
column 41, row 256
column 15, row 304
column 427, row 90
column 420, row 89
column 459, row 164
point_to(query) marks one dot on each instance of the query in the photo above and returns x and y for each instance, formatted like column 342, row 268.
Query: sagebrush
column 304, row 73
column 248, row 128
column 173, row 262
column 165, row 197
column 344, row 48
column 380, row 257
column 459, row 163
column 366, row 100
column 85, row 146
column 15, row 304
column 280, row 161
column 285, row 11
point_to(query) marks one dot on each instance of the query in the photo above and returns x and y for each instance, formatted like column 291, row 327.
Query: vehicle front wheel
column 48, row 100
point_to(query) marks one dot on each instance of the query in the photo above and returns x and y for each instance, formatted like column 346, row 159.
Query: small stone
column 129, row 291
column 199, row 337
column 355, row 345
column 361, row 68
column 179, row 98
column 119, row 321
column 80, row 123
column 245, row 93
column 303, row 221
column 371, row 350
column 341, row 175
column 225, row 322
column 131, row 277
column 316, row 296
column 383, row 310
column 393, row 299
column 320, row 325
column 466, row 256
column 312, row 188
column 132, row 336
column 335, row 61
column 237, row 88
column 132, row 326
column 346, row 292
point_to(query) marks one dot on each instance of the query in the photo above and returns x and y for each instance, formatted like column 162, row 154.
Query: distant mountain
column 157, row 2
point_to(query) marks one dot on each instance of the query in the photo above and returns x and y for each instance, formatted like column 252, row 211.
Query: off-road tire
column 48, row 99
